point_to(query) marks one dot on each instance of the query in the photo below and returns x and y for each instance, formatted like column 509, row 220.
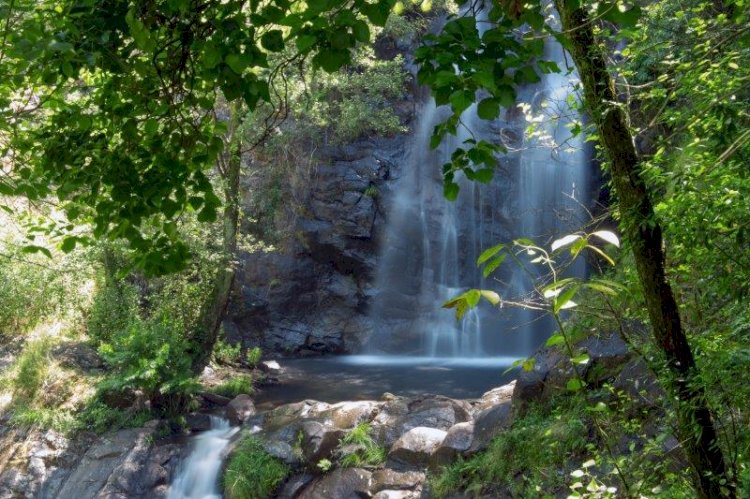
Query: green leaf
column 488, row 109
column 472, row 297
column 574, row 385
column 493, row 264
column 581, row 359
column 450, row 190
column 489, row 253
column 273, row 41
column 555, row 339
column 68, row 244
column 490, row 296
column 563, row 301
column 305, row 42
column 32, row 248
column 361, row 31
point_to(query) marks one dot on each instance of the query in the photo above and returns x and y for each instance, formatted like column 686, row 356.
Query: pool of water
column 367, row 377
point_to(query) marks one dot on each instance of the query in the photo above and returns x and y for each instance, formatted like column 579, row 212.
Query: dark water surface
column 364, row 377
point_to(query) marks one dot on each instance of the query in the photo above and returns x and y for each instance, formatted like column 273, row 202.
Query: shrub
column 253, row 356
column 251, row 472
column 152, row 356
column 114, row 309
column 235, row 386
column 224, row 353
column 368, row 452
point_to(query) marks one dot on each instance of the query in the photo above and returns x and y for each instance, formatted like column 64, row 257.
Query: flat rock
column 416, row 446
column 388, row 479
column 349, row 414
column 341, row 483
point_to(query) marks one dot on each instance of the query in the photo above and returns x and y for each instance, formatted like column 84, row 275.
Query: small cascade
column 198, row 474
column 430, row 245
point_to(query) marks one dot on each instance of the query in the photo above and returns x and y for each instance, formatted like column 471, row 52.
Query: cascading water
column 198, row 475
column 431, row 245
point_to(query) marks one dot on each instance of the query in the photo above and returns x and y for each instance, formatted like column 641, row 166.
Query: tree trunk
column 639, row 224
column 212, row 311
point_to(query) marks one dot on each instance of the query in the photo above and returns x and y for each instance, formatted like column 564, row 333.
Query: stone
column 495, row 396
column 389, row 479
column 318, row 442
column 270, row 367
column 457, row 441
column 349, row 414
column 416, row 446
column 197, row 421
column 491, row 422
column 396, row 494
column 341, row 483
column 294, row 485
column 215, row 399
column 240, row 408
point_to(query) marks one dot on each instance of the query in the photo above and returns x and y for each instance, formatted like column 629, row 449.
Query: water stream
column 198, row 474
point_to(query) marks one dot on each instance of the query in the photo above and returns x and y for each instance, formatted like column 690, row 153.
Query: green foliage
column 151, row 356
column 225, row 353
column 251, row 472
column 236, row 385
column 367, row 453
column 540, row 443
column 114, row 309
column 140, row 120
column 253, row 356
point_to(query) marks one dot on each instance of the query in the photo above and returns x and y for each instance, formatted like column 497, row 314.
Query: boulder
column 457, row 441
column 341, row 483
column 318, row 442
column 214, row 399
column 294, row 485
column 388, row 479
column 396, row 494
column 495, row 396
column 197, row 421
column 270, row 367
column 396, row 417
column 415, row 447
column 349, row 414
column 240, row 408
column 489, row 423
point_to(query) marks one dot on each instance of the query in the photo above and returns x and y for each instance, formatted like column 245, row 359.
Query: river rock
column 457, row 441
column 415, row 447
column 399, row 416
column 318, row 442
column 491, row 422
column 197, row 421
column 294, row 485
column 214, row 399
column 388, row 479
column 240, row 408
column 341, row 483
column 349, row 414
column 271, row 367
column 396, row 494
column 495, row 396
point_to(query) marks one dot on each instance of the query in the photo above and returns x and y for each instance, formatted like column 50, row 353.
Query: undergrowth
column 251, row 472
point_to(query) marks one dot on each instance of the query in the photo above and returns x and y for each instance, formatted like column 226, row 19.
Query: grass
column 234, row 386
column 369, row 452
column 251, row 472
column 521, row 461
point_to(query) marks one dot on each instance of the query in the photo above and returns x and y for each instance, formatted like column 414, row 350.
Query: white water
column 431, row 245
column 198, row 475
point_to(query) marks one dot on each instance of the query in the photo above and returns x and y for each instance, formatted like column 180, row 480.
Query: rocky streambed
column 417, row 433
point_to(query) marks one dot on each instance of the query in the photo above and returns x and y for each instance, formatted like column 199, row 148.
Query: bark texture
column 638, row 222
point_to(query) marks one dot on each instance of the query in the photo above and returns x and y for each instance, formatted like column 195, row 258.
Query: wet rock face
column 311, row 296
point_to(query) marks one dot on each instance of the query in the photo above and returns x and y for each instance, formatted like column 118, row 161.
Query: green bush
column 235, row 386
column 224, row 353
column 253, row 356
column 152, row 356
column 114, row 309
column 526, row 456
column 368, row 452
column 251, row 472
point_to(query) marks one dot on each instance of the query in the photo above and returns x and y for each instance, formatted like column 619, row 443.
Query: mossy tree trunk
column 639, row 224
column 214, row 307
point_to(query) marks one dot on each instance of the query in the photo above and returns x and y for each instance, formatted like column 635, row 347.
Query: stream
column 198, row 474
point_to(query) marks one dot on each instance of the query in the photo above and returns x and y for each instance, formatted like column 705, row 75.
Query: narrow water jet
column 198, row 474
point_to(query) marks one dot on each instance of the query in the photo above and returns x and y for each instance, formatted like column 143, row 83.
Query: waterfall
column 198, row 474
column 430, row 245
